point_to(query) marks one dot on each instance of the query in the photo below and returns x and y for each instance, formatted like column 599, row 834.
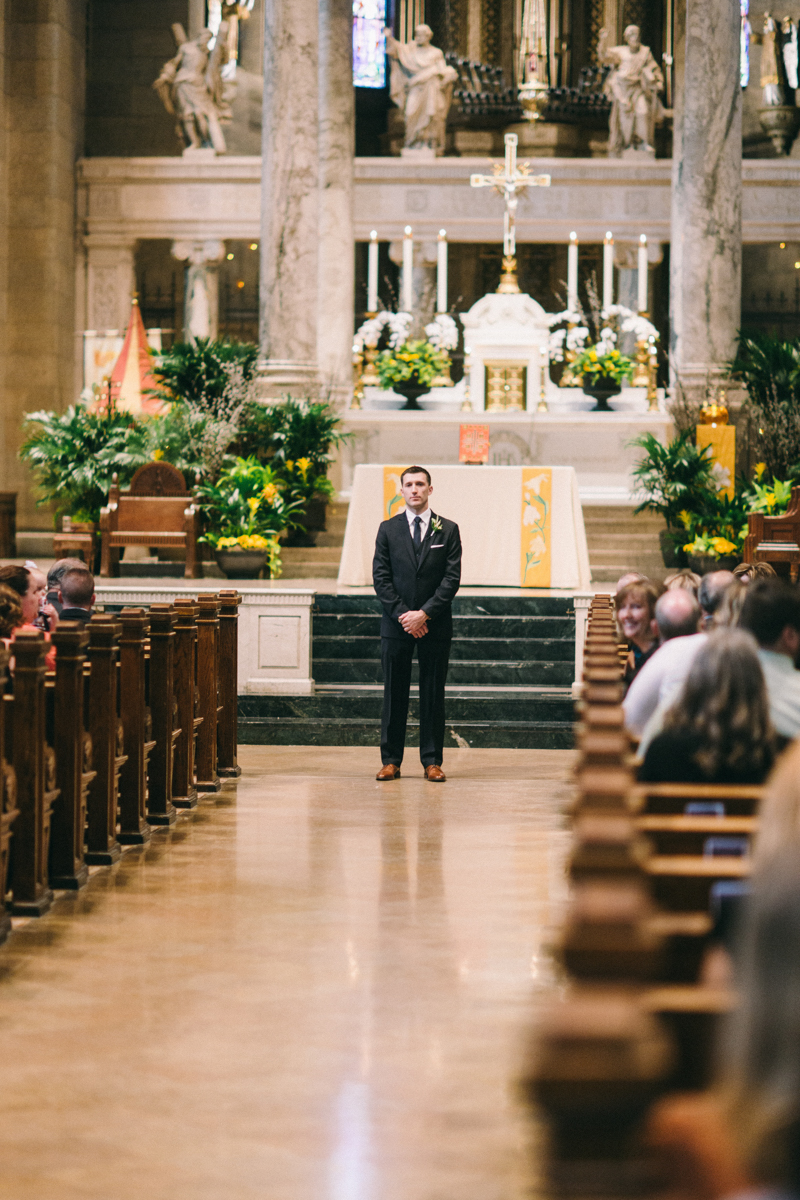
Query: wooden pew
column 161, row 694
column 184, row 792
column 8, row 802
column 34, row 768
column 102, row 844
column 683, row 834
column 207, row 682
column 73, row 755
column 735, row 800
column 134, row 829
column 227, row 732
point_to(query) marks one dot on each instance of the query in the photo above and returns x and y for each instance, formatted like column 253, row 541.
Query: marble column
column 706, row 237
column 110, row 282
column 201, row 289
column 289, row 199
column 336, row 234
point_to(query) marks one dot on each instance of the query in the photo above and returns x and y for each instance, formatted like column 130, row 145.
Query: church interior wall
column 755, row 143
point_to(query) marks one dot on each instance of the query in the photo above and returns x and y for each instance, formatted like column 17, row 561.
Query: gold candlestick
column 358, row 391
column 652, row 390
column 641, row 372
column 508, row 280
column 542, row 405
column 569, row 378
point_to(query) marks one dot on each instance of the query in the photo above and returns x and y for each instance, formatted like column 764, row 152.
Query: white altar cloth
column 485, row 503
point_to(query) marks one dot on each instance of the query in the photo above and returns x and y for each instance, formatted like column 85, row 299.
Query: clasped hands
column 415, row 622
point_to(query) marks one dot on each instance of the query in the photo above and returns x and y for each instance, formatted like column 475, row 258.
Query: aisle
column 317, row 989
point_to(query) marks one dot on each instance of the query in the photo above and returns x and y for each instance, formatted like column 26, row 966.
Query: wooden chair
column 78, row 543
column 34, row 765
column 73, row 751
column 776, row 539
column 157, row 510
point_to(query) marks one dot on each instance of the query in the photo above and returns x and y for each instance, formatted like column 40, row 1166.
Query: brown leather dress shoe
column 390, row 771
column 435, row 775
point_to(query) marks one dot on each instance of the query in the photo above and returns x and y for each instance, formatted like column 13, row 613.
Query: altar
column 521, row 526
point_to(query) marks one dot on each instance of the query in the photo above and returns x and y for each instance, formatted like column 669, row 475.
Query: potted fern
column 675, row 479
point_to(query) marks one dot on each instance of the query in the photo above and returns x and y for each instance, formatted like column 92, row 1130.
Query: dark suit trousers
column 396, row 658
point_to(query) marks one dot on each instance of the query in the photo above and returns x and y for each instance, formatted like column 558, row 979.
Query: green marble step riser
column 355, row 625
column 472, row 649
column 479, row 606
column 484, row 709
column 481, row 674
column 543, row 736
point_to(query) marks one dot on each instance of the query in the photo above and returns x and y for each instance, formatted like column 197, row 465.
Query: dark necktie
column 417, row 535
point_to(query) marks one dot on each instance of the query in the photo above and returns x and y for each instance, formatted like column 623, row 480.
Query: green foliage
column 413, row 362
column 74, row 455
column 675, row 478
column 303, row 436
column 770, row 370
column 717, row 517
column 198, row 372
column 247, row 500
column 611, row 365
column 176, row 435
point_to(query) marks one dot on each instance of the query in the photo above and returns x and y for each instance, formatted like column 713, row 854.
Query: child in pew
column 742, row 1137
column 719, row 729
column 31, row 588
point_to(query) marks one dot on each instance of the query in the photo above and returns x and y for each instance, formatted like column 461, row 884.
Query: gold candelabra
column 508, row 280
column 358, row 390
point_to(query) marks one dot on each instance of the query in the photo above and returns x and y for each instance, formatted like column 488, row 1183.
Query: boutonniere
column 436, row 525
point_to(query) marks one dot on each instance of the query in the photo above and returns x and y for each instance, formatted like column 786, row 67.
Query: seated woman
column 687, row 580
column 635, row 606
column 10, row 613
column 31, row 588
column 719, row 729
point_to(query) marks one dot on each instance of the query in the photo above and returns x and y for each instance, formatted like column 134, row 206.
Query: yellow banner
column 722, row 440
column 537, row 488
column 393, row 501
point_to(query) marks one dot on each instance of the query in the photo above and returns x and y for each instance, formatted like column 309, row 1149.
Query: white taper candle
column 408, row 270
column 608, row 271
column 372, row 273
column 643, row 273
column 441, row 273
column 572, row 273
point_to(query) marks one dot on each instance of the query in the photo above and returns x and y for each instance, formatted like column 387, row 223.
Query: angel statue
column 632, row 87
column 191, row 88
column 422, row 85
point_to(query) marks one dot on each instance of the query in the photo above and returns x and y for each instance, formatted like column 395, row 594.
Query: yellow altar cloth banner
column 722, row 440
column 393, row 502
column 537, row 489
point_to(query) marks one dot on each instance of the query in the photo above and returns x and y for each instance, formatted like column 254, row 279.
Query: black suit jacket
column 75, row 614
column 404, row 585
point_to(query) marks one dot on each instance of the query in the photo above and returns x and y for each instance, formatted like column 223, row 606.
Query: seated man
column 771, row 612
column 76, row 595
column 710, row 593
column 677, row 619
column 56, row 574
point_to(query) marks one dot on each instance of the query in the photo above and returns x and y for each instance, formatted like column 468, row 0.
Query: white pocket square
column 438, row 546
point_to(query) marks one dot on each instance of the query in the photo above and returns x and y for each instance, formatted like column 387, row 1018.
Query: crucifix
column 508, row 179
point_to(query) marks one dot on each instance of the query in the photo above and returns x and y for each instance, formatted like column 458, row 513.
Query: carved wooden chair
column 776, row 539
column 157, row 510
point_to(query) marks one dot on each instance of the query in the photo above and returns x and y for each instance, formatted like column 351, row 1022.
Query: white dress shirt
column 783, row 690
column 425, row 517
column 660, row 679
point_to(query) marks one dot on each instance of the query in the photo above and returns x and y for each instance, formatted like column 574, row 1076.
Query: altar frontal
column 521, row 526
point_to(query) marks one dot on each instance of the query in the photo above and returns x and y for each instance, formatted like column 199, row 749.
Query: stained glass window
column 369, row 44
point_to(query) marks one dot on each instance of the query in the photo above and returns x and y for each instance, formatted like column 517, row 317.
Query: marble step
column 478, row 672
column 317, row 554
column 369, row 625
column 461, row 648
column 514, row 718
column 522, row 606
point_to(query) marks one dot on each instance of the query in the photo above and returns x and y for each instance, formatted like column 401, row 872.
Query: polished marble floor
column 317, row 988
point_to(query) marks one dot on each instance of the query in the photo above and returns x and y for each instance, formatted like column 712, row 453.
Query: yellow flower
column 759, row 469
column 685, row 518
column 723, row 546
column 158, row 454
column 289, row 465
column 304, row 464
column 253, row 504
column 689, row 547
column 270, row 493
column 771, row 500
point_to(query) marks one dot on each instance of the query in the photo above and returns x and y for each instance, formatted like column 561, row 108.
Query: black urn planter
column 313, row 520
column 412, row 391
column 602, row 390
column 672, row 552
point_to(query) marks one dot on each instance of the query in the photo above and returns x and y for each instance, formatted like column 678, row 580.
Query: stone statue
column 191, row 87
column 790, row 54
column 421, row 85
column 632, row 86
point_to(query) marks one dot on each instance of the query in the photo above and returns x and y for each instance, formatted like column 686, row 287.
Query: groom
column 416, row 572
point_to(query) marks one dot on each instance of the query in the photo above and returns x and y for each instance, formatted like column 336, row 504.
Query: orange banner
column 393, row 501
column 537, row 487
column 722, row 440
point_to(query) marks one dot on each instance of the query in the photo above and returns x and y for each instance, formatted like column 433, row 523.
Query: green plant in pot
column 411, row 368
column 304, row 434
column 604, row 370
column 245, row 511
column 676, row 478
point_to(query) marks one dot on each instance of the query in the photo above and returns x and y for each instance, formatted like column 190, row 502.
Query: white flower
column 577, row 337
column 722, row 476
column 442, row 332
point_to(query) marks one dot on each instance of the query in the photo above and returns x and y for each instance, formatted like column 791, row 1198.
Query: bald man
column 662, row 676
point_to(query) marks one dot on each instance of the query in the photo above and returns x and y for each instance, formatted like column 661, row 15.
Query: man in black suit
column 416, row 573
column 76, row 595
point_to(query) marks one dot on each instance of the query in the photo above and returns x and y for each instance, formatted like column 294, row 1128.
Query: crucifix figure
column 508, row 179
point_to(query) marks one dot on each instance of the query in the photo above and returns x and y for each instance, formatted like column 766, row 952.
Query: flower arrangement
column 705, row 545
column 245, row 503
column 370, row 332
column 413, row 362
column 442, row 332
column 603, row 361
column 600, row 359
